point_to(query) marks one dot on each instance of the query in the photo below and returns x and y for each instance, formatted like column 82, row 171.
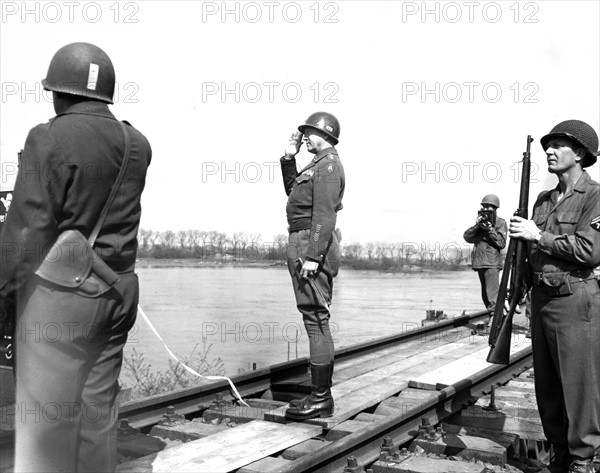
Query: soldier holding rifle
column 565, row 248
column 313, row 255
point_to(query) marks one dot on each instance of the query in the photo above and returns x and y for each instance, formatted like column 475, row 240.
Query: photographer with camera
column 489, row 237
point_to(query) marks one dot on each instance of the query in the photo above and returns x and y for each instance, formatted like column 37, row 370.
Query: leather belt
column 553, row 279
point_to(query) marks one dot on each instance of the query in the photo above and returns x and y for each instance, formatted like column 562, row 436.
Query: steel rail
column 148, row 411
column 402, row 427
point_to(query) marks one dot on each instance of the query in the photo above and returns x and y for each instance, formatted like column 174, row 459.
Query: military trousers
column 490, row 285
column 313, row 298
column 68, row 354
column 566, row 358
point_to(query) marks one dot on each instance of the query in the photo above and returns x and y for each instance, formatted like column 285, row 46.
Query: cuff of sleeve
column 545, row 242
column 312, row 255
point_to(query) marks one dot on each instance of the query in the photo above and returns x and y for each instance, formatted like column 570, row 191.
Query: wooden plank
column 351, row 368
column 413, row 350
column 225, row 451
column 524, row 385
column 475, row 416
column 402, row 404
column 417, row 464
column 349, row 405
column 346, row 428
column 360, row 393
column 507, row 440
column 265, row 465
column 304, row 448
column 463, row 368
column 516, row 409
column 464, row 446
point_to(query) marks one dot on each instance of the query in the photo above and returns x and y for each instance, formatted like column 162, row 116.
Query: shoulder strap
column 115, row 189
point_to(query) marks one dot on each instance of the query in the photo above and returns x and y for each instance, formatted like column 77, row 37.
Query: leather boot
column 581, row 466
column 298, row 402
column 320, row 401
column 560, row 459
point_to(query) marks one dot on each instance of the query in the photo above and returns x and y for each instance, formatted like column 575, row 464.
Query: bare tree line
column 240, row 247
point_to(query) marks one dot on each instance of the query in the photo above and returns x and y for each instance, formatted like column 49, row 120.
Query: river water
column 248, row 315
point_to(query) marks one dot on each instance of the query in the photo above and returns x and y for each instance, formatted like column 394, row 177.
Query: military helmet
column 580, row 132
column 491, row 199
column 324, row 122
column 81, row 69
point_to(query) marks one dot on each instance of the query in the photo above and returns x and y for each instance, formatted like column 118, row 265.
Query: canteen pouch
column 557, row 284
column 72, row 264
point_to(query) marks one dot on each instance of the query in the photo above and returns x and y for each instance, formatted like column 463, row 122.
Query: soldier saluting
column 313, row 256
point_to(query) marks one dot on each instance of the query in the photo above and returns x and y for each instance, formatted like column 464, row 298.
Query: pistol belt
column 556, row 279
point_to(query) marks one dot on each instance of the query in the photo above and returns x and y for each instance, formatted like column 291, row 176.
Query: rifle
column 514, row 271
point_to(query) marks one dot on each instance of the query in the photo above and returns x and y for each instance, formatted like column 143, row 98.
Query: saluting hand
column 293, row 146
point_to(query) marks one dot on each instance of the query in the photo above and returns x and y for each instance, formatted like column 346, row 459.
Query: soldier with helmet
column 76, row 306
column 489, row 237
column 314, row 199
column 564, row 232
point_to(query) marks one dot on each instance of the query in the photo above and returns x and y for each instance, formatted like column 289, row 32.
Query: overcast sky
column 435, row 101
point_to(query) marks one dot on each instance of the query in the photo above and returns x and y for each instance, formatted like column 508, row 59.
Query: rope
column 187, row 368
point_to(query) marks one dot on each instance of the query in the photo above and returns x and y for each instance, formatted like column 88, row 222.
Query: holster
column 556, row 284
column 72, row 264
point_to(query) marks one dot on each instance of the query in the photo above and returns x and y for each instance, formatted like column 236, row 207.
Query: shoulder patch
column 330, row 168
column 595, row 223
column 309, row 172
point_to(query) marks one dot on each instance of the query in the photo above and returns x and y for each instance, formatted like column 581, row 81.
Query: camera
column 486, row 216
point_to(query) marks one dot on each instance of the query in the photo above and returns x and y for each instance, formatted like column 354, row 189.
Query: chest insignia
column 595, row 223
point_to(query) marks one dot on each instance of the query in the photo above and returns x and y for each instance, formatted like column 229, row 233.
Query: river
column 248, row 316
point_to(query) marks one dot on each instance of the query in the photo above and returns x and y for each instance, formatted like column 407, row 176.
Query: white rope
column 190, row 370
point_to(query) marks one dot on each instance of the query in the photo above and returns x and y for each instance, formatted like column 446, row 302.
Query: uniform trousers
column 313, row 301
column 489, row 279
column 566, row 357
column 69, row 352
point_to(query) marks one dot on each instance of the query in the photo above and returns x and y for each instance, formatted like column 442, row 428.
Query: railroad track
column 143, row 414
column 427, row 374
column 366, row 375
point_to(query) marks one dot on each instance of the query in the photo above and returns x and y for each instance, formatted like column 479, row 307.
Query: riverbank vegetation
column 146, row 381
column 197, row 247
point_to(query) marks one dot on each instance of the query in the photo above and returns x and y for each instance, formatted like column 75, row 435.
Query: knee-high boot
column 297, row 402
column 320, row 401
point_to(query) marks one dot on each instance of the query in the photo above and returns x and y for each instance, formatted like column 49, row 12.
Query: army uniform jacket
column 488, row 243
column 65, row 175
column 314, row 198
column 570, row 238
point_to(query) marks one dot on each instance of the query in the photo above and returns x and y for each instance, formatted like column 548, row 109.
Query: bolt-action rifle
column 512, row 286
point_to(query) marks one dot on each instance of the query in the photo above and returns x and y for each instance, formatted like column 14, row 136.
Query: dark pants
column 489, row 279
column 313, row 302
column 566, row 358
column 69, row 351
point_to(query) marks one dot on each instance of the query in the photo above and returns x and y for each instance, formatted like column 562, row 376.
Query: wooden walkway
column 396, row 381
column 385, row 398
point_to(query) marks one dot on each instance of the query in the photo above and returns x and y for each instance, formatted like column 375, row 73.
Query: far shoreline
column 197, row 263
